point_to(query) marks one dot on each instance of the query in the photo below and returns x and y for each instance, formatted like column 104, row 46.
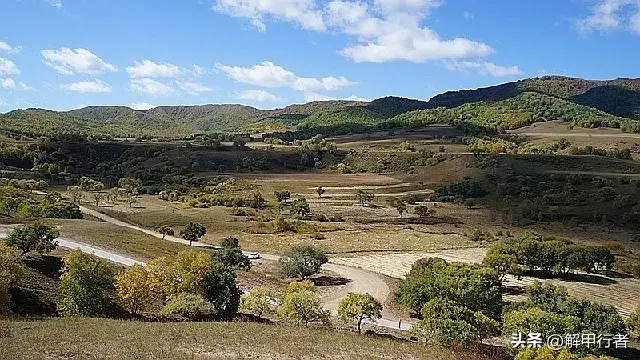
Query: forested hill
column 619, row 97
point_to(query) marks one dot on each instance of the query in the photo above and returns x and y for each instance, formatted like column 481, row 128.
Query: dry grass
column 118, row 239
column 102, row 338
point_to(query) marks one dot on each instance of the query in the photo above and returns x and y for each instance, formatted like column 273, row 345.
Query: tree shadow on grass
column 46, row 265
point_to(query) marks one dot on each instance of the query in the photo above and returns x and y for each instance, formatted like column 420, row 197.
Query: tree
column 36, row 237
column 477, row 288
column 112, row 195
column 183, row 272
column 257, row 201
column 320, row 191
column 130, row 188
column 282, row 195
column 536, row 320
column 364, row 197
column 547, row 296
column 422, row 211
column 301, row 207
column 193, row 232
column 231, row 255
column 503, row 263
column 76, row 193
column 301, row 304
column 257, row 301
column 357, row 307
column 133, row 288
column 633, row 322
column 399, row 204
column 87, row 285
column 302, row 261
column 97, row 197
column 166, row 230
column 444, row 322
column 10, row 273
column 220, row 288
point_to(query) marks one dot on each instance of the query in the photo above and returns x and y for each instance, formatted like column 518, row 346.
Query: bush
column 634, row 322
column 185, row 306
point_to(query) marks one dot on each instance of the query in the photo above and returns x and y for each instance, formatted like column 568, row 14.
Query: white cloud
column 309, row 97
column 256, row 95
column 301, row 12
column 141, row 106
column 385, row 30
column 8, row 48
column 467, row 15
column 150, row 87
column 198, row 70
column 9, row 83
column 193, row 88
column 268, row 74
column 608, row 15
column 95, row 86
column 484, row 68
column 55, row 3
column 79, row 61
column 150, row 69
column 8, row 67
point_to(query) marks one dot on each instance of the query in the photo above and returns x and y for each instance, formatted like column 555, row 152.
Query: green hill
column 619, row 97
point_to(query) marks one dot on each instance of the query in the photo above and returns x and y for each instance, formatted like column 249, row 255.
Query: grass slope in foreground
column 102, row 338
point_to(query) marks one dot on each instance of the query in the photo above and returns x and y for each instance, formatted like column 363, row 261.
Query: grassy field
column 101, row 338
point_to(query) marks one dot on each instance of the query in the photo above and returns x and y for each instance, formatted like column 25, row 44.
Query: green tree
column 320, row 191
column 231, row 255
column 11, row 272
column 477, row 288
column 357, row 307
column 86, row 286
column 302, row 261
column 301, row 305
column 282, row 195
column 130, row 188
column 193, row 232
column 503, row 263
column 444, row 322
column 97, row 197
column 133, row 288
column 257, row 301
column 166, row 230
column 364, row 197
column 221, row 290
column 301, row 207
column 536, row 320
column 36, row 237
column 76, row 193
column 547, row 296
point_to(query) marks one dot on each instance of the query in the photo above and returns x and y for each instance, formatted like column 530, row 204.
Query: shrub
column 357, row 307
column 258, row 301
column 300, row 304
column 185, row 306
column 302, row 261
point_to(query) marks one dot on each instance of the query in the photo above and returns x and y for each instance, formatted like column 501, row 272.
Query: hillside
column 619, row 97
column 163, row 121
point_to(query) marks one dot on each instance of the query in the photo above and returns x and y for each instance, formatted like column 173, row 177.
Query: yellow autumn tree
column 183, row 273
column 133, row 288
column 10, row 274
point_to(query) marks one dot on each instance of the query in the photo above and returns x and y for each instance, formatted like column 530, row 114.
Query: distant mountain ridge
column 618, row 97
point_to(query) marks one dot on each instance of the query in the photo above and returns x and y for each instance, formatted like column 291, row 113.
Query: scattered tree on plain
column 193, row 232
column 166, row 230
column 282, row 195
column 302, row 261
column 301, row 207
column 364, row 197
column 422, row 211
column 300, row 304
column 357, row 307
column 320, row 191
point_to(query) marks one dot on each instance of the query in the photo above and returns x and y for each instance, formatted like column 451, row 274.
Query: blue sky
column 65, row 54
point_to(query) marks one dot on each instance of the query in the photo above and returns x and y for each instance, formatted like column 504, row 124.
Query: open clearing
column 623, row 293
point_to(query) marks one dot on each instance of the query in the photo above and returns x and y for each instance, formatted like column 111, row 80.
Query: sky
column 67, row 54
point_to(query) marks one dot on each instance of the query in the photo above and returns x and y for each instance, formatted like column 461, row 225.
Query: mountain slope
column 619, row 97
